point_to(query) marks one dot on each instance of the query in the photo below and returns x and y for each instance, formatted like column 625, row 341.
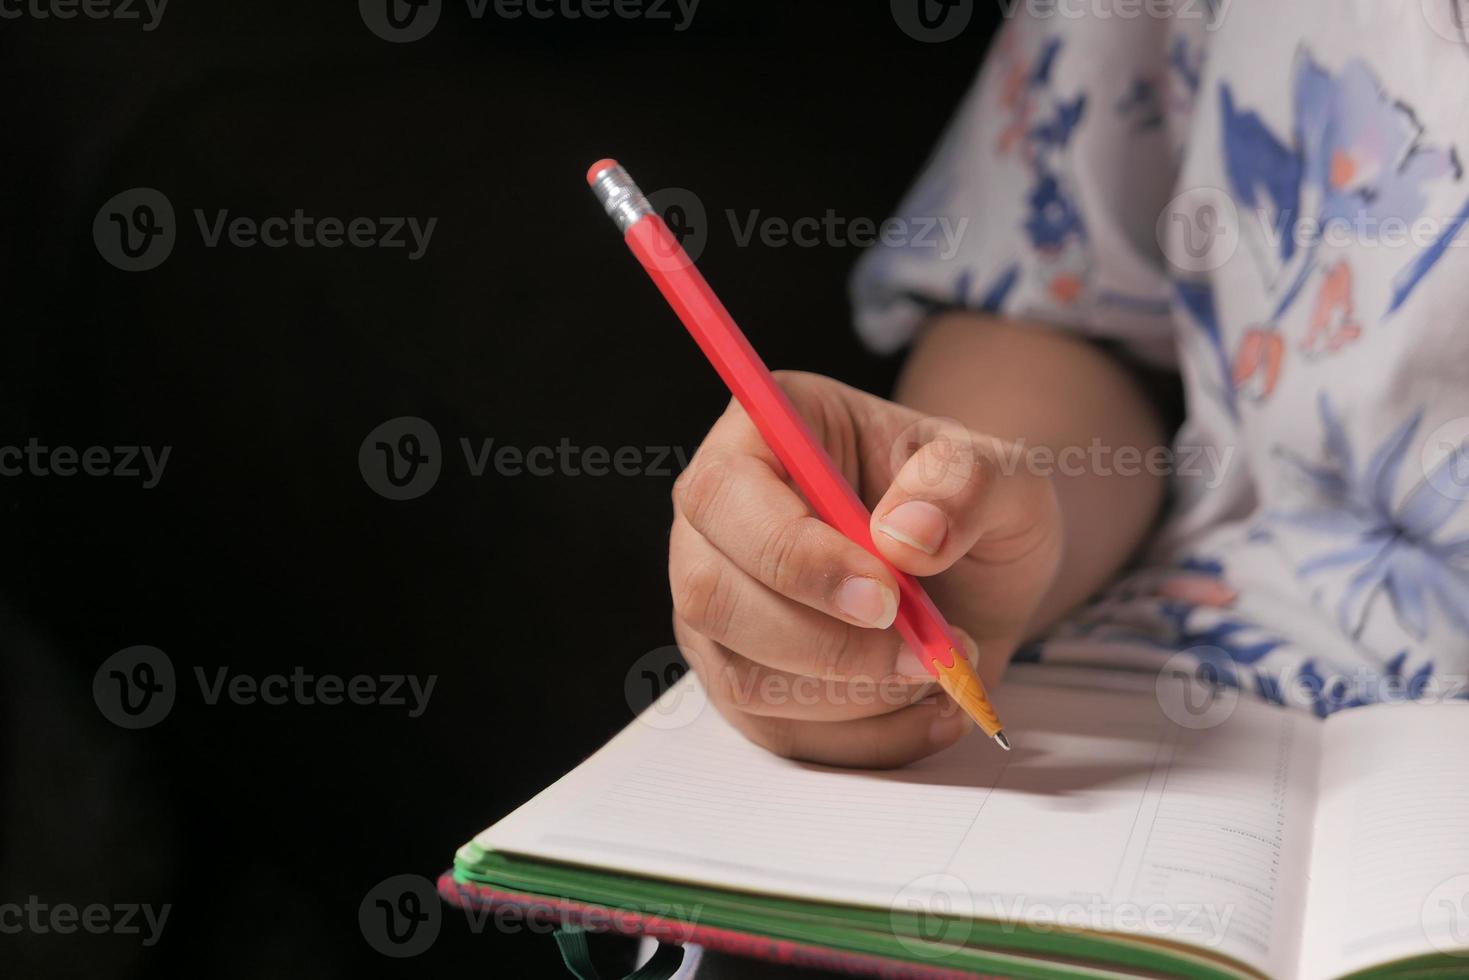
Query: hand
column 787, row 622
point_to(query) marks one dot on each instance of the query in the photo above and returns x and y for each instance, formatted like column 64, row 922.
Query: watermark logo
column 951, row 456
column 683, row 212
column 400, row 916
column 1449, row 19
column 932, row 21
column 400, row 21
column 401, row 459
column 1445, row 459
column 1192, row 690
column 135, row 229
column 932, row 916
column 654, row 675
column 135, row 687
column 1199, row 230
column 1446, row 916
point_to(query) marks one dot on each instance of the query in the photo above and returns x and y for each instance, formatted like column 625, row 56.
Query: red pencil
column 921, row 624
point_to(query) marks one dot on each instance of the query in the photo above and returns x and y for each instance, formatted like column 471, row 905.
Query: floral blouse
column 1269, row 199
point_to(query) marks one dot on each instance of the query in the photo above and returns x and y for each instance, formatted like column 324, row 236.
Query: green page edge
column 846, row 928
column 872, row 931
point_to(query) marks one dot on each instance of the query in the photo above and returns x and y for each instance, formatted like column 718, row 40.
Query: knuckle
column 953, row 460
column 778, row 561
column 702, row 597
column 834, row 652
column 698, row 491
column 787, row 378
column 950, row 446
column 717, row 673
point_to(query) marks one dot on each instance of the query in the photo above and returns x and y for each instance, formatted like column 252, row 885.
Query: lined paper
column 1106, row 816
column 1390, row 877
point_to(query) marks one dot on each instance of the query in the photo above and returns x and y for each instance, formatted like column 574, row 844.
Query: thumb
column 961, row 493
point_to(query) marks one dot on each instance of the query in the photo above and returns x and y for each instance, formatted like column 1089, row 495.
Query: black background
column 262, row 548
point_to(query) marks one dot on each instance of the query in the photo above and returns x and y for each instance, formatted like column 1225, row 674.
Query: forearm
column 1043, row 388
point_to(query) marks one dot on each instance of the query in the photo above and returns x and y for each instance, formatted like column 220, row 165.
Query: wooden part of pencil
column 962, row 684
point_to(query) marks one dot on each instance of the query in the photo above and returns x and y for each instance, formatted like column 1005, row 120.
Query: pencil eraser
column 598, row 167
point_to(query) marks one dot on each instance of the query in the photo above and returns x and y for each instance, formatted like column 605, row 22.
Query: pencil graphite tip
column 1002, row 741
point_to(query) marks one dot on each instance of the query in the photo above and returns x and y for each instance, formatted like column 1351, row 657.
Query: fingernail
column 867, row 601
column 947, row 729
column 918, row 524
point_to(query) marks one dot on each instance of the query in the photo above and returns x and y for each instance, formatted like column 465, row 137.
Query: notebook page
column 1106, row 816
column 1390, row 874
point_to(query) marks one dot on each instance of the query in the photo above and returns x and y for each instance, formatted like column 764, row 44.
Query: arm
column 1046, row 388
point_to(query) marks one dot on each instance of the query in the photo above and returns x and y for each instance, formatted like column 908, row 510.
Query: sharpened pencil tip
column 1002, row 740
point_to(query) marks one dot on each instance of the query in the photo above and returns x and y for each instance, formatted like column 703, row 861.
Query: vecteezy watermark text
column 303, row 688
column 402, row 916
column 136, row 230
column 64, row 918
column 37, row 459
column 1197, row 921
column 136, row 688
column 402, row 458
column 306, row 231
column 953, row 457
column 1206, row 463
column 148, row 12
column 1212, row 12
column 932, row 916
column 1197, row 689
column 1363, row 228
column 568, row 459
column 942, row 234
column 403, row 21
column 686, row 216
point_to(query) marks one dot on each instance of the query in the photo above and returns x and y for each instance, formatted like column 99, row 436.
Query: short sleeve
column 1042, row 199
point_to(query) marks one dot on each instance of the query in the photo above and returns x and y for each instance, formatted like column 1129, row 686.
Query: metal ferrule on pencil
column 625, row 204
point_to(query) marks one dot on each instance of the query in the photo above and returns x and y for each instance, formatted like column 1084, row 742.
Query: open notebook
column 1112, row 842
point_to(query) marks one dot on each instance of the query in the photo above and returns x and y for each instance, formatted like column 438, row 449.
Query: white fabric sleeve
column 1043, row 198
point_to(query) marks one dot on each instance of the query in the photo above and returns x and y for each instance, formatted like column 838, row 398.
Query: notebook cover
column 601, row 918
